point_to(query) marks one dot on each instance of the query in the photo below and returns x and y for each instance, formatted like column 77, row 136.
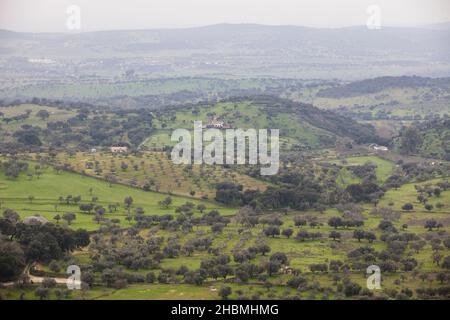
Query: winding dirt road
column 37, row 279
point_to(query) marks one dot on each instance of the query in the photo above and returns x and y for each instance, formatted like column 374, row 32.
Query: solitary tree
column 446, row 263
column 287, row 232
column 370, row 236
column 272, row 231
column 69, row 217
column 128, row 202
column 358, row 234
column 129, row 218
column 224, row 292
column 437, row 192
column 431, row 224
column 43, row 114
column 201, row 207
column 41, row 292
column 407, row 207
column 335, row 222
column 441, row 277
column 299, row 221
column 57, row 218
column 335, row 235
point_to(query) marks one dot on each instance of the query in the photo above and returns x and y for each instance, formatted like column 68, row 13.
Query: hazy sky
column 50, row 15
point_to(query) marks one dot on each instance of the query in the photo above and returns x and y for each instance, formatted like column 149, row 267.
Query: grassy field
column 242, row 115
column 136, row 88
column 407, row 193
column 156, row 292
column 399, row 104
column 159, row 138
column 55, row 115
column 396, row 101
column 301, row 254
column 383, row 171
column 209, row 291
column 158, row 168
column 47, row 189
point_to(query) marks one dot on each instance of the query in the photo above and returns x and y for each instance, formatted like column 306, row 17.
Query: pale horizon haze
column 51, row 15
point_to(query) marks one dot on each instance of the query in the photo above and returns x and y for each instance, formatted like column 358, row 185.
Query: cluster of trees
column 229, row 193
column 413, row 171
column 362, row 234
column 365, row 192
column 415, row 139
column 273, row 197
column 134, row 253
column 299, row 189
column 21, row 243
column 17, row 118
column 393, row 258
column 12, row 168
column 367, row 113
column 90, row 127
column 365, row 171
column 338, row 222
column 304, row 235
column 426, row 192
column 433, row 293
column 28, row 136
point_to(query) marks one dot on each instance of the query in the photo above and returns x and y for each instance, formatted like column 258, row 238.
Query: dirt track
column 36, row 279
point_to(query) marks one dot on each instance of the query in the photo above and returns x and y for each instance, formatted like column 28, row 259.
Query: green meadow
column 244, row 115
column 47, row 189
column 383, row 170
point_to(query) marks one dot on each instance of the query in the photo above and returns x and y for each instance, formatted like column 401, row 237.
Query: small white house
column 376, row 147
column 218, row 125
column 119, row 149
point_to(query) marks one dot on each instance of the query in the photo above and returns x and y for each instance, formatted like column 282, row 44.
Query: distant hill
column 301, row 125
column 326, row 120
column 438, row 26
column 239, row 49
column 369, row 86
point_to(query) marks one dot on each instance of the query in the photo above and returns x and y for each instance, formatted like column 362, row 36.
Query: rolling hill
column 301, row 125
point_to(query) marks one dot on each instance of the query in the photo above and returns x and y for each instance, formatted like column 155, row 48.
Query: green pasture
column 47, row 189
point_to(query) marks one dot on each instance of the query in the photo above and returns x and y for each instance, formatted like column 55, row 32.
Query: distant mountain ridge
column 248, row 49
column 358, row 38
